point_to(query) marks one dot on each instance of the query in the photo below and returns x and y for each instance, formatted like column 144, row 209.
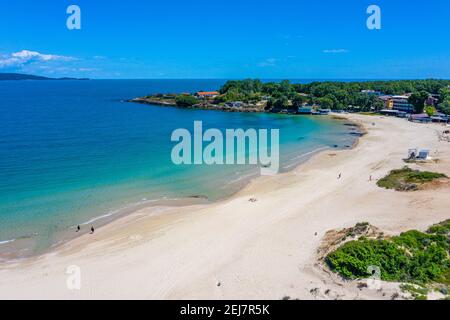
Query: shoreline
column 263, row 242
column 160, row 206
column 200, row 106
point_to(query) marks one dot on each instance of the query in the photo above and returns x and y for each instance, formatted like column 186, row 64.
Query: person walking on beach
column 340, row 175
column 92, row 230
column 78, row 228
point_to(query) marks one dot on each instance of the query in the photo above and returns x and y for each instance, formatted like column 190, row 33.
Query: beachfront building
column 394, row 113
column 401, row 103
column 371, row 92
column 439, row 117
column 388, row 102
column 321, row 111
column 305, row 110
column 207, row 94
column 432, row 100
column 235, row 104
column 422, row 118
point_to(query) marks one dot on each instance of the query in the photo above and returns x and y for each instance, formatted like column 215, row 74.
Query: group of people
column 79, row 229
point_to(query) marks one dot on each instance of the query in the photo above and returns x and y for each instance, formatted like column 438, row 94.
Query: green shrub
column 440, row 228
column 185, row 100
column 413, row 256
column 407, row 179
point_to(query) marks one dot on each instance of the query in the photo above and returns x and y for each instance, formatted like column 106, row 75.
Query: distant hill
column 20, row 76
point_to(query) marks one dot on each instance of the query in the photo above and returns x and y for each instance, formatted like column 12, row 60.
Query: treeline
column 333, row 95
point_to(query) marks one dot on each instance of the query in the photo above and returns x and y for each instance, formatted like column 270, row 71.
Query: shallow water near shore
column 74, row 153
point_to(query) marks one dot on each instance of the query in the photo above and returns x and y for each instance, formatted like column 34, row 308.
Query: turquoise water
column 73, row 152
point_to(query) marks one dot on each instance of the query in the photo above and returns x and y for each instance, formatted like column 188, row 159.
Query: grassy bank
column 407, row 179
column 412, row 257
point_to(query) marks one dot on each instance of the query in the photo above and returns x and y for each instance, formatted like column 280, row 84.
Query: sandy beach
column 241, row 249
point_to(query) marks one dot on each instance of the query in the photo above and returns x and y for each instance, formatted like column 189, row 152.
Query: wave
column 7, row 241
column 97, row 218
column 240, row 178
column 310, row 152
column 112, row 213
column 303, row 155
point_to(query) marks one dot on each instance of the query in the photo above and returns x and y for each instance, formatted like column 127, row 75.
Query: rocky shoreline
column 200, row 106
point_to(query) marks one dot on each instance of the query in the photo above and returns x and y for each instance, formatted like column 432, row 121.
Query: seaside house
column 235, row 104
column 432, row 100
column 401, row 103
column 389, row 112
column 439, row 117
column 321, row 111
column 207, row 94
column 371, row 92
column 422, row 118
column 305, row 110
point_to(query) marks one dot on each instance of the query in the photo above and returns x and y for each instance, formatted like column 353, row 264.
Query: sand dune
column 239, row 249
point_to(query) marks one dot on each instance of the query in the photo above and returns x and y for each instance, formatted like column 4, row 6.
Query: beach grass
column 407, row 179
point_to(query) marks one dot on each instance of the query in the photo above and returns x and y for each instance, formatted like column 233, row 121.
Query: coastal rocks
column 202, row 106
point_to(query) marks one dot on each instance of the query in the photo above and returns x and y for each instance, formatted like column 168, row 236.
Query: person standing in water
column 78, row 228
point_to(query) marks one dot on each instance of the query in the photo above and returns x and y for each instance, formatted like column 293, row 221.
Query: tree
column 376, row 103
column 444, row 94
column 417, row 99
column 298, row 101
column 325, row 103
column 185, row 100
column 444, row 107
column 281, row 103
column 430, row 110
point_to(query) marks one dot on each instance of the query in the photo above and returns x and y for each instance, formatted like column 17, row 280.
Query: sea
column 77, row 153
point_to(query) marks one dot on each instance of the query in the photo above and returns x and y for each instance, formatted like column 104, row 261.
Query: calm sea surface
column 73, row 152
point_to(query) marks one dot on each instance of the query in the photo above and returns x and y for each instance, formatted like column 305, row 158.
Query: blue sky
column 325, row 39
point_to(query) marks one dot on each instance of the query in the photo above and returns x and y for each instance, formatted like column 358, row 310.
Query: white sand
column 265, row 249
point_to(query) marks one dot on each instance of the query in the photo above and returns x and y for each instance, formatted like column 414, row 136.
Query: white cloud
column 23, row 57
column 270, row 62
column 336, row 51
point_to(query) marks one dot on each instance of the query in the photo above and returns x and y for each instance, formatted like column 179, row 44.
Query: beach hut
column 423, row 154
column 323, row 111
column 305, row 110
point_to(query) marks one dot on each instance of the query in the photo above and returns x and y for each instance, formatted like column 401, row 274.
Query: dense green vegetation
column 407, row 179
column 417, row 99
column 440, row 228
column 413, row 256
column 334, row 95
column 284, row 95
column 184, row 100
